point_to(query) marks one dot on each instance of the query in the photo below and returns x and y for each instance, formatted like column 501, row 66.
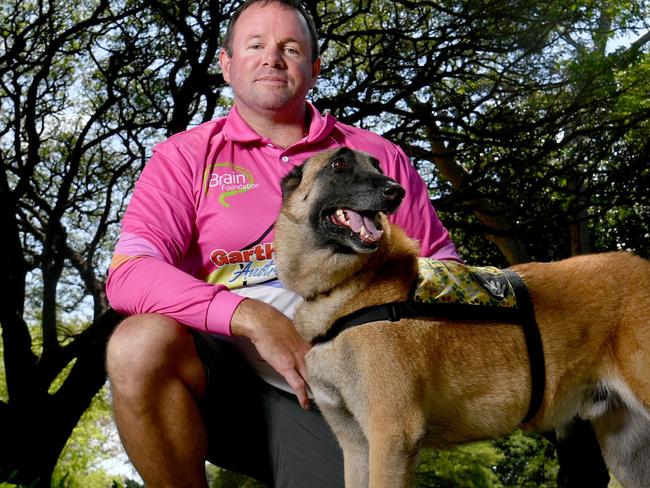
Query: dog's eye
column 339, row 164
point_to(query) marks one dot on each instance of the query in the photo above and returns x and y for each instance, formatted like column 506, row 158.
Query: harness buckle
column 393, row 313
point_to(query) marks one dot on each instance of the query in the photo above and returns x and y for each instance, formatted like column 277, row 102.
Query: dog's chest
column 313, row 318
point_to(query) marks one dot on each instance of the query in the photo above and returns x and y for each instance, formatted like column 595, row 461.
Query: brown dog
column 389, row 388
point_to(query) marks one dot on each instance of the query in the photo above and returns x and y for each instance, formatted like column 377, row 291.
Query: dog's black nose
column 393, row 192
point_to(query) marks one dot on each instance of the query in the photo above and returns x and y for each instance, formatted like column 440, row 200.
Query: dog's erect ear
column 375, row 163
column 291, row 181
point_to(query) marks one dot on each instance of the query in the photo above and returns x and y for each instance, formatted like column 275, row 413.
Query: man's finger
column 298, row 384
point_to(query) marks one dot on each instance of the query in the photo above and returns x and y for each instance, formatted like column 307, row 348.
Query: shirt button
column 285, row 159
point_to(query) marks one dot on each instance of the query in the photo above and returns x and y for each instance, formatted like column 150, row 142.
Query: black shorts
column 261, row 431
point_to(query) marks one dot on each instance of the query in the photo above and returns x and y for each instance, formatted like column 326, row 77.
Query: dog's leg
column 354, row 444
column 624, row 437
column 393, row 461
column 394, row 443
column 345, row 427
column 355, row 461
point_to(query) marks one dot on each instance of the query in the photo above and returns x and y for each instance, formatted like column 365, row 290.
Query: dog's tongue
column 357, row 221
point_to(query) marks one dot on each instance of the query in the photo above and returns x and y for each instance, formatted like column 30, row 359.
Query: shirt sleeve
column 417, row 216
column 157, row 228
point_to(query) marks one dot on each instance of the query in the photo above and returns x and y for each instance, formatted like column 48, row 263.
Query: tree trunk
column 511, row 248
column 31, row 444
column 36, row 428
column 580, row 238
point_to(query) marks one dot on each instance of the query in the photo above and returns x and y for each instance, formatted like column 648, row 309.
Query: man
column 194, row 261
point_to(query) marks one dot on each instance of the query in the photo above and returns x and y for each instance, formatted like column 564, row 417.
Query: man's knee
column 145, row 349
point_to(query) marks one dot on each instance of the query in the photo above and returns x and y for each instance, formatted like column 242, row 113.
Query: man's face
column 270, row 69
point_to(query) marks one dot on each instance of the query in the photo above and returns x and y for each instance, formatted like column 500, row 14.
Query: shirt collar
column 236, row 129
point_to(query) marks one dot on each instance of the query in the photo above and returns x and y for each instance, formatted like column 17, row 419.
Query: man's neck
column 282, row 130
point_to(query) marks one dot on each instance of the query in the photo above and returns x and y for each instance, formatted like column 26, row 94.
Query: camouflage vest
column 451, row 282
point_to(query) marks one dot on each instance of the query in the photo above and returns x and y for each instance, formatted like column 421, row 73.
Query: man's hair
column 291, row 4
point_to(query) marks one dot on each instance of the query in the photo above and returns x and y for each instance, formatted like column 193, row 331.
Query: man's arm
column 151, row 285
column 157, row 231
column 144, row 277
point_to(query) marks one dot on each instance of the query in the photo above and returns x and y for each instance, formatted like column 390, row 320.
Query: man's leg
column 156, row 380
column 581, row 462
column 261, row 431
column 303, row 448
column 233, row 410
column 171, row 385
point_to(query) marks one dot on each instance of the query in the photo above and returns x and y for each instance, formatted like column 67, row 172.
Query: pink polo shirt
column 198, row 228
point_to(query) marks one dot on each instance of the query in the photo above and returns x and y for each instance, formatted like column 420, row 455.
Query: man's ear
column 224, row 62
column 291, row 181
column 315, row 71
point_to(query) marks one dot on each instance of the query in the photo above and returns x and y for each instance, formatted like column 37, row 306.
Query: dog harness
column 450, row 289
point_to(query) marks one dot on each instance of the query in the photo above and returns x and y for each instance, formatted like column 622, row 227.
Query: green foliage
column 221, row 478
column 89, row 445
column 518, row 460
column 466, row 466
column 528, row 461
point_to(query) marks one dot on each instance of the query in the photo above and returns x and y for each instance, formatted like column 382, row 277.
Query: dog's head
column 344, row 198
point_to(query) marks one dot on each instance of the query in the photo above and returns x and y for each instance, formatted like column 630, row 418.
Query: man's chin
column 277, row 99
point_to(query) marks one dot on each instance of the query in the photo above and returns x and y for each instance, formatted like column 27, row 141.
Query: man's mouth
column 272, row 79
column 361, row 224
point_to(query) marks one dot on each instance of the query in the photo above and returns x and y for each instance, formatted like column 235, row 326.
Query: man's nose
column 273, row 57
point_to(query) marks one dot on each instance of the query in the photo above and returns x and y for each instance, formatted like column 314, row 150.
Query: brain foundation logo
column 228, row 179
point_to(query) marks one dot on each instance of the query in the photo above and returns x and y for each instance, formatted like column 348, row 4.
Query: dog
column 387, row 389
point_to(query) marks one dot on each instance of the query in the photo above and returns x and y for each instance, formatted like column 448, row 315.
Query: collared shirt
column 197, row 234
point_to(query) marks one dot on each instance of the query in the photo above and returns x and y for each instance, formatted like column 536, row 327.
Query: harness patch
column 451, row 282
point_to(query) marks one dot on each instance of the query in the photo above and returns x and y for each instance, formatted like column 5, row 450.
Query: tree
column 88, row 445
column 529, row 128
column 83, row 94
column 514, row 104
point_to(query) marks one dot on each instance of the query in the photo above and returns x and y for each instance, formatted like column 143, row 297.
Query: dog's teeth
column 342, row 216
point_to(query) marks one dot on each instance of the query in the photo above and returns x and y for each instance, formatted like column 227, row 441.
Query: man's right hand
column 276, row 340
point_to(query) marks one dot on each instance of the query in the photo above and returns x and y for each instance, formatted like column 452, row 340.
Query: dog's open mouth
column 361, row 224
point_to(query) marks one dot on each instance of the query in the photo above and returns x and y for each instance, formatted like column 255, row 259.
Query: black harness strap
column 524, row 315
column 533, row 343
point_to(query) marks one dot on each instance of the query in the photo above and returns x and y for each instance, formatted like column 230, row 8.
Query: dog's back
column 594, row 317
